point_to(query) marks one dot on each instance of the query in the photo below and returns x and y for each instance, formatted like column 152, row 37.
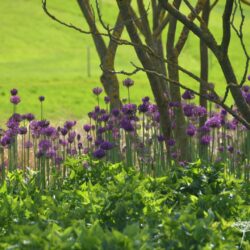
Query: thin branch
column 216, row 100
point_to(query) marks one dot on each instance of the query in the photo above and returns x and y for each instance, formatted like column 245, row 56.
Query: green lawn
column 41, row 57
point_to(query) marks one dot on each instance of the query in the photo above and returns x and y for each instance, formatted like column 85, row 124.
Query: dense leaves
column 101, row 206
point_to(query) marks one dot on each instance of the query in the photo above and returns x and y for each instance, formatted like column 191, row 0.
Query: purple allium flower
column 87, row 127
column 106, row 99
column 49, row 131
column 115, row 112
column 6, row 140
column 69, row 124
column 14, row 92
column 204, row 129
column 106, row 145
column 191, row 130
column 199, row 111
column 188, row 95
column 89, row 138
column 64, row 131
column 79, row 145
column 78, row 137
column 22, row 130
column 143, row 108
column 171, row 142
column 145, row 99
column 15, row 99
column 230, row 149
column 51, row 153
column 213, row 122
column 223, row 112
column 44, row 145
column 127, row 125
column 205, row 139
column 99, row 153
column 231, row 126
column 104, row 118
column 101, row 130
column 30, row 117
column 41, row 98
column 188, row 110
column 128, row 82
column 160, row 138
column 97, row 91
column 129, row 109
column 71, row 137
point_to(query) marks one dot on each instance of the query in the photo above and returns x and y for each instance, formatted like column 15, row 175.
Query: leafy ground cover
column 104, row 206
column 39, row 56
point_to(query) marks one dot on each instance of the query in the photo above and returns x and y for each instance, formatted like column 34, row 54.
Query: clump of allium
column 191, row 130
column 15, row 99
column 97, row 91
column 128, row 82
column 14, row 92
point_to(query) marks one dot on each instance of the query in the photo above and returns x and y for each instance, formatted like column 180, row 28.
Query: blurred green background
column 41, row 57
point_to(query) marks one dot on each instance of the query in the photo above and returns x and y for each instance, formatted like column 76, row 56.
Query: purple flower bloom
column 58, row 160
column 143, row 108
column 191, row 130
column 29, row 117
column 5, row 140
column 128, row 82
column 145, row 99
column 64, row 131
column 205, row 139
column 174, row 104
column 15, row 99
column 44, row 145
column 22, row 130
column 127, row 125
column 14, row 92
column 129, row 109
column 69, row 124
column 87, row 127
column 160, row 138
column 99, row 153
column 41, row 98
column 246, row 88
column 115, row 112
column 188, row 95
column 188, row 110
column 230, row 149
column 106, row 145
column 171, row 142
column 97, row 91
column 213, row 122
column 106, row 99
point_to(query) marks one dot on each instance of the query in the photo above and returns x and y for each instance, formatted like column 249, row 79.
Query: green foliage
column 104, row 206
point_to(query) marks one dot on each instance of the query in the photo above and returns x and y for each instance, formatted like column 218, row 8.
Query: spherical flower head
column 143, row 108
column 97, row 91
column 106, row 99
column 14, row 92
column 205, row 140
column 127, row 125
column 213, row 122
column 230, row 149
column 6, row 140
column 106, row 145
column 64, row 131
column 99, row 153
column 188, row 95
column 30, row 117
column 44, row 145
column 87, row 127
column 22, row 130
column 160, row 138
column 191, row 130
column 69, row 124
column 128, row 82
column 15, row 99
column 129, row 109
column 145, row 99
column 115, row 112
column 171, row 142
column 188, row 110
column 41, row 98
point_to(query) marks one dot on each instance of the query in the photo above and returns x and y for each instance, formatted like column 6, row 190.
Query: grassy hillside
column 40, row 57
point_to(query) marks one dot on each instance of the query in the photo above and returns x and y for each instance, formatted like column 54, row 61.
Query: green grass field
column 41, row 57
